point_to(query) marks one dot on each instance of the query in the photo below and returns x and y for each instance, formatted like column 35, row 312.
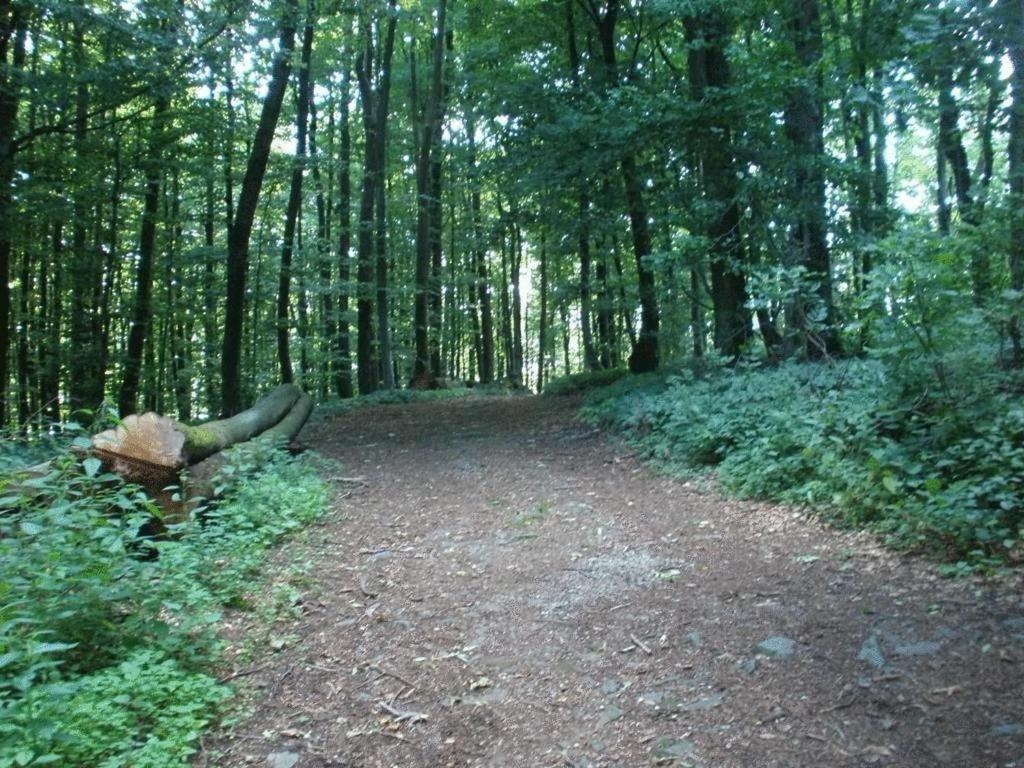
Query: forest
column 776, row 246
column 203, row 199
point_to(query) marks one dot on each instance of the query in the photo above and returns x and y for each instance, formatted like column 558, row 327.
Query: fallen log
column 162, row 444
column 152, row 450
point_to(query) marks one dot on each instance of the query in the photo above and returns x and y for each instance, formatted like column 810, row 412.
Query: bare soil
column 504, row 586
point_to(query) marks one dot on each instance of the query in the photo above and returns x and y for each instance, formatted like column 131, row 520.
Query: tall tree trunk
column 516, row 253
column 241, row 230
column 328, row 318
column 52, row 313
column 804, row 128
column 374, row 77
column 483, row 287
column 13, row 31
column 343, row 376
column 302, row 95
column 380, row 245
column 542, row 326
column 605, row 311
column 143, row 307
column 86, row 375
column 1015, row 173
column 951, row 147
column 25, row 331
column 209, row 290
column 590, row 358
column 428, row 128
column 645, row 355
column 708, row 36
column 505, row 305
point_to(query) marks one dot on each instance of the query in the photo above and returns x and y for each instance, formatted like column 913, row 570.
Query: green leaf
column 92, row 466
column 892, row 485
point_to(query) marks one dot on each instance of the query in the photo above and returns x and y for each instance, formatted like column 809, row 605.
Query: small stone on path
column 871, row 652
column 609, row 714
column 669, row 750
column 282, row 759
column 610, row 686
column 925, row 648
column 776, row 647
column 1006, row 730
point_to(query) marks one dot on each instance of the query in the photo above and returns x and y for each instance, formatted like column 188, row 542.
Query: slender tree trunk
column 516, row 254
column 13, row 31
column 566, row 364
column 143, row 308
column 605, row 311
column 625, row 309
column 24, row 356
column 302, row 96
column 387, row 360
column 86, row 376
column 241, row 230
column 52, row 314
column 1015, row 173
column 374, row 77
column 328, row 318
column 708, row 36
column 480, row 259
column 804, row 128
column 506, row 307
column 644, row 356
column 951, row 146
column 343, row 377
column 427, row 188
column 209, row 290
column 542, row 327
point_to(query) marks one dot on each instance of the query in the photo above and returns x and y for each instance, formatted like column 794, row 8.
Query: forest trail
column 507, row 587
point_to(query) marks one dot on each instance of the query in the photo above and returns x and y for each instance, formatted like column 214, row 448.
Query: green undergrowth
column 106, row 652
column 935, row 468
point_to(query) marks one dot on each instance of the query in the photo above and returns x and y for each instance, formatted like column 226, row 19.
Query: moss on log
column 151, row 449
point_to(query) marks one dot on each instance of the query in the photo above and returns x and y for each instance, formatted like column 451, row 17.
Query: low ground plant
column 107, row 652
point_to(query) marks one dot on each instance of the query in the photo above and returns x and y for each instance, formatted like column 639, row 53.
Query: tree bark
column 142, row 310
column 1015, row 173
column 302, row 95
column 804, row 127
column 85, row 363
column 13, row 31
column 343, row 374
column 374, row 77
column 708, row 35
column 645, row 355
column 428, row 128
column 241, row 230
column 480, row 258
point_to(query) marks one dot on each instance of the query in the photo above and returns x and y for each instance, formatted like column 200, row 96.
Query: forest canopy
column 202, row 198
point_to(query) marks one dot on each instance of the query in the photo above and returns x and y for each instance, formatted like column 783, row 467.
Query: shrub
column 103, row 652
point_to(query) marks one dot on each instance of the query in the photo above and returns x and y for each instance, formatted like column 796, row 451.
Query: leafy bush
column 578, row 383
column 335, row 407
column 103, row 651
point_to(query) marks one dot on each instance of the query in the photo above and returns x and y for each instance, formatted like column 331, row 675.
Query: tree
column 804, row 127
column 13, row 30
column 373, row 72
column 245, row 213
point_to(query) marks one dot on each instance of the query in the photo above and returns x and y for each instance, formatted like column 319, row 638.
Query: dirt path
column 541, row 599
